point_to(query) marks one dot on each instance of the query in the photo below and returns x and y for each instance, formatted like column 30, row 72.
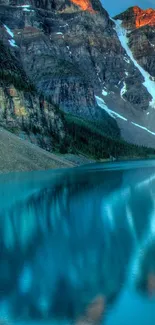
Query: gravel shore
column 20, row 155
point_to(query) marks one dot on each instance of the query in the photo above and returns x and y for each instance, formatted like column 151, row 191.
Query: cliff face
column 136, row 17
column 60, row 5
column 141, row 26
column 22, row 109
column 70, row 52
column 30, row 117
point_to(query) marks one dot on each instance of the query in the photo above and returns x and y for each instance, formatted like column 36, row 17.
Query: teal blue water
column 69, row 235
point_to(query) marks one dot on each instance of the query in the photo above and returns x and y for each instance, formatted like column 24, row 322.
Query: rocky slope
column 18, row 155
column 141, row 27
column 22, row 109
column 70, row 52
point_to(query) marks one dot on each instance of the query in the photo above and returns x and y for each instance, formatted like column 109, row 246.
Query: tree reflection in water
column 70, row 245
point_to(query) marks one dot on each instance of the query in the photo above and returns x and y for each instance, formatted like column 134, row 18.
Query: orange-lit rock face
column 94, row 312
column 84, row 5
column 151, row 284
column 144, row 17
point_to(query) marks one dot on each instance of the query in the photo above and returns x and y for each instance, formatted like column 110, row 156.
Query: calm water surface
column 69, row 235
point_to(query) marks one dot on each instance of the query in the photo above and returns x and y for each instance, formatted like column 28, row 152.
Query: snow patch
column 148, row 83
column 123, row 90
column 113, row 114
column 9, row 31
column 142, row 127
column 64, row 25
column 151, row 44
column 12, row 43
column 68, row 48
column 126, row 60
column 23, row 6
column 104, row 92
column 29, row 10
column 147, row 113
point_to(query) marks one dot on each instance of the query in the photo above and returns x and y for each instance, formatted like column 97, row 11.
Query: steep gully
column 142, row 18
column 148, row 83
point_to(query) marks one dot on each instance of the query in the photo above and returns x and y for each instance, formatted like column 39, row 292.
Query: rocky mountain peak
column 92, row 6
column 135, row 17
column 84, row 5
column 73, row 5
column 144, row 17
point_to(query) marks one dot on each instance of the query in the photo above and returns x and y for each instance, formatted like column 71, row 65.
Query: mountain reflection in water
column 67, row 236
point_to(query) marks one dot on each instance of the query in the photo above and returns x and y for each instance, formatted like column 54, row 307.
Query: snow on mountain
column 112, row 113
column 148, row 83
column 12, row 41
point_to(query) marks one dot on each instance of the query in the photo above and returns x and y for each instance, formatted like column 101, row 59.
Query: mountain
column 73, row 79
column 140, row 25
